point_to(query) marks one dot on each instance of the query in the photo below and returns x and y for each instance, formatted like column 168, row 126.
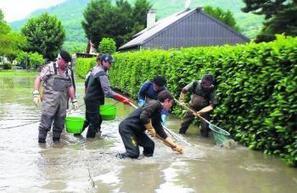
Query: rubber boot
column 204, row 132
column 122, row 155
column 41, row 140
column 183, row 130
column 91, row 133
column 42, row 136
column 56, row 139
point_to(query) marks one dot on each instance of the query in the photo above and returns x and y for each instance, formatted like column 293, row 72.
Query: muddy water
column 80, row 165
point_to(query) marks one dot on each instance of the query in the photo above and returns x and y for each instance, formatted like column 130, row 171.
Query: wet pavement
column 79, row 165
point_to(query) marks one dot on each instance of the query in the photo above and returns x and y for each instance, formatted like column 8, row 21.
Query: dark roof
column 148, row 33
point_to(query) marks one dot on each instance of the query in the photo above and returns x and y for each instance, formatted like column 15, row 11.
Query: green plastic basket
column 108, row 111
column 219, row 134
column 74, row 124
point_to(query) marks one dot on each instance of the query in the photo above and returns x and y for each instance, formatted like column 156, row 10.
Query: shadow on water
column 79, row 165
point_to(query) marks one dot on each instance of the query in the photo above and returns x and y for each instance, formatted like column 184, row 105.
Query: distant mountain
column 70, row 13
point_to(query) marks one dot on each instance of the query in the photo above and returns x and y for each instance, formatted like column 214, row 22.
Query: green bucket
column 74, row 124
column 108, row 111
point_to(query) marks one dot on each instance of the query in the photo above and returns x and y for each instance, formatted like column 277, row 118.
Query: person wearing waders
column 147, row 118
column 203, row 101
column 58, row 88
column 149, row 90
column 97, row 88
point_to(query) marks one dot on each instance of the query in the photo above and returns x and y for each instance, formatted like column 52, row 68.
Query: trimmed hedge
column 84, row 65
column 256, row 87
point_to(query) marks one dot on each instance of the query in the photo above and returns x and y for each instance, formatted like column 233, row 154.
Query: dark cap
column 65, row 55
column 208, row 81
column 107, row 58
column 160, row 81
column 209, row 78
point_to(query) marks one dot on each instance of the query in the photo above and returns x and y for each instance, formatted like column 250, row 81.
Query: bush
column 107, row 46
column 84, row 65
column 30, row 60
column 7, row 66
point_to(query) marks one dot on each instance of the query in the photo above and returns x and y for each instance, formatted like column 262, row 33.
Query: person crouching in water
column 57, row 82
column 146, row 118
column 203, row 100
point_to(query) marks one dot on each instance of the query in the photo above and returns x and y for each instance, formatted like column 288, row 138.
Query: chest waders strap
column 55, row 68
column 194, row 87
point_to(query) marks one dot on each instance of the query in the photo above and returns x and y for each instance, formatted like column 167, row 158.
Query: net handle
column 197, row 115
column 194, row 112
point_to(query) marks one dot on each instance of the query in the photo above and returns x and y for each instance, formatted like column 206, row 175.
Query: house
column 90, row 51
column 188, row 28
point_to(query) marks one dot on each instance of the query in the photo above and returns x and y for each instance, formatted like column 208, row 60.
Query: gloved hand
column 182, row 98
column 150, row 129
column 205, row 110
column 174, row 146
column 198, row 113
column 141, row 102
column 121, row 98
column 178, row 149
column 36, row 97
column 75, row 104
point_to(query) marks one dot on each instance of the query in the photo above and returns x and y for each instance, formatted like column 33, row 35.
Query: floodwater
column 80, row 165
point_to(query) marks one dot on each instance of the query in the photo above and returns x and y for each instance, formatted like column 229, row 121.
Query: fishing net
column 219, row 134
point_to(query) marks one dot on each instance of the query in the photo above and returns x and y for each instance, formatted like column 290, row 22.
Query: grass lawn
column 7, row 73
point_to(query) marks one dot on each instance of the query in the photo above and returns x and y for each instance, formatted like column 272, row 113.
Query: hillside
column 70, row 13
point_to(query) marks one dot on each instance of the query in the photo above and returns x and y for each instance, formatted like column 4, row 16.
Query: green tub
column 74, row 124
column 108, row 111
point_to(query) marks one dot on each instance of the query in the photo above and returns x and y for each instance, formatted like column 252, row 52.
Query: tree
column 1, row 16
column 119, row 21
column 224, row 16
column 45, row 35
column 107, row 46
column 140, row 10
column 96, row 20
column 280, row 17
column 10, row 42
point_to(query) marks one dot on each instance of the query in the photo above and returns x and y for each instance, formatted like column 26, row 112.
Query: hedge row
column 256, row 87
column 83, row 66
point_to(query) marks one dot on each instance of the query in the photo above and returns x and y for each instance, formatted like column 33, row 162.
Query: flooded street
column 80, row 165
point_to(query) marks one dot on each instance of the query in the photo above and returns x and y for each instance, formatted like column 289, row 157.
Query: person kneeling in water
column 147, row 118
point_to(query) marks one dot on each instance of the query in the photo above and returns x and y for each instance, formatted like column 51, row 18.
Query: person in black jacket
column 146, row 118
column 97, row 88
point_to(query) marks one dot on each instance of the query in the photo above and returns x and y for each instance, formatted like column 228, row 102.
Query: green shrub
column 84, row 65
column 6, row 66
column 30, row 60
column 107, row 46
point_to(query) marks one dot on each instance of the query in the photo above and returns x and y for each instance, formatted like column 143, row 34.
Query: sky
column 18, row 9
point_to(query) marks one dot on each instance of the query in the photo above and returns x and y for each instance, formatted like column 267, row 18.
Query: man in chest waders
column 97, row 88
column 57, row 83
column 202, row 100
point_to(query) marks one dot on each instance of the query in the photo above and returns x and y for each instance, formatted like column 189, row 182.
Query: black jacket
column 141, row 116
